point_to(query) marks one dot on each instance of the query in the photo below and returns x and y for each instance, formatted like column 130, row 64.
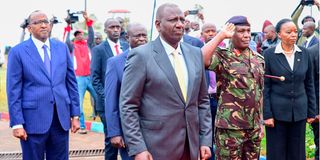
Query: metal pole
column 152, row 21
column 85, row 5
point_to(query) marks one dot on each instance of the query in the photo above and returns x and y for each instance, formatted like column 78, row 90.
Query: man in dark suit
column 164, row 105
column 100, row 54
column 42, row 93
column 136, row 35
column 308, row 31
column 314, row 52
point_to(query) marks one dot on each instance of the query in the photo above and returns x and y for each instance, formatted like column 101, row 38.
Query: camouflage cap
column 239, row 20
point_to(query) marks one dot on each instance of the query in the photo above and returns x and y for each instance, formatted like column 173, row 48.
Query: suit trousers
column 286, row 140
column 111, row 152
column 54, row 144
column 186, row 151
column 213, row 107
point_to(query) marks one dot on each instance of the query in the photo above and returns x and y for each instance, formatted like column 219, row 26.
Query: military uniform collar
column 238, row 53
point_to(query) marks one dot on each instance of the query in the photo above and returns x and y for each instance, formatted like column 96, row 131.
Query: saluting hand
column 20, row 133
column 228, row 30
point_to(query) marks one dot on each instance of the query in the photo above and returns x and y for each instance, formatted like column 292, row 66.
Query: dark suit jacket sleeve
column 14, row 87
column 69, row 42
column 72, row 87
column 95, row 69
column 90, row 41
column 204, row 112
column 267, row 113
column 309, row 84
column 112, row 91
column 314, row 51
column 133, row 81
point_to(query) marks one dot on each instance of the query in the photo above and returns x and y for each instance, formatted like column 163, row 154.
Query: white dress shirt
column 112, row 46
column 169, row 50
column 279, row 50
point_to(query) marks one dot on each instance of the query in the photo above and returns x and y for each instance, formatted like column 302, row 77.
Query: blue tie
column 46, row 60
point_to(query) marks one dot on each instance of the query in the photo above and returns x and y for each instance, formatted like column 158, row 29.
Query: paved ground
column 92, row 140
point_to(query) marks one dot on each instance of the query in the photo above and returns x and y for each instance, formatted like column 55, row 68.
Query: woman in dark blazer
column 288, row 104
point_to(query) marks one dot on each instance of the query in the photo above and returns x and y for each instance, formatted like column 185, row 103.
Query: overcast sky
column 12, row 12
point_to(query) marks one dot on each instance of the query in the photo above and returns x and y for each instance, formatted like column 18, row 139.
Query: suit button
column 292, row 91
column 51, row 102
column 292, row 99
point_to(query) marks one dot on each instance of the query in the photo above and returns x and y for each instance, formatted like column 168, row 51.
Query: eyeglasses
column 40, row 22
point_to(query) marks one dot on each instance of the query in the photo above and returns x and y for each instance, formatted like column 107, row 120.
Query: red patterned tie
column 117, row 48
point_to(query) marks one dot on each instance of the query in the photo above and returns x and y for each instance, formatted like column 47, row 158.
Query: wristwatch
column 76, row 117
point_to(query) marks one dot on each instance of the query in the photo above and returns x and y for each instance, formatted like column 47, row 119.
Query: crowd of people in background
column 196, row 91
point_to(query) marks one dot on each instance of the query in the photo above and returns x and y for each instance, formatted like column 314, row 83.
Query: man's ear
column 157, row 23
column 29, row 28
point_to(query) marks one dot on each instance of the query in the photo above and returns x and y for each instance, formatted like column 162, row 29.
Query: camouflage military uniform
column 239, row 89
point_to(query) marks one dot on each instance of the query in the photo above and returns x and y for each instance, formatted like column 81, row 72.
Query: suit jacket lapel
column 164, row 63
column 54, row 58
column 107, row 49
column 190, row 69
column 283, row 61
column 297, row 60
column 31, row 49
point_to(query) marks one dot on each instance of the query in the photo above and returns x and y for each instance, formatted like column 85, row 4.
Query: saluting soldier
column 240, row 71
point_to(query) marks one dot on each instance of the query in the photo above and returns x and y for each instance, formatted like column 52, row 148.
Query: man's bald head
column 308, row 28
column 270, row 32
column 162, row 9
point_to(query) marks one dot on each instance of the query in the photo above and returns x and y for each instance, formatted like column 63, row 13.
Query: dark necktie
column 46, row 59
column 305, row 43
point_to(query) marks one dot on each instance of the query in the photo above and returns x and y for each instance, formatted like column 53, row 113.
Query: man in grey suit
column 164, row 104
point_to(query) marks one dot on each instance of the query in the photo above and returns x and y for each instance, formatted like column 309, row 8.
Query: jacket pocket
column 29, row 104
column 150, row 124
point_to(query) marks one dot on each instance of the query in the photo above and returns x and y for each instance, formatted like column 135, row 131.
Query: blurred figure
column 308, row 31
column 137, row 35
column 288, row 104
column 271, row 38
column 80, row 51
column 296, row 15
column 43, row 98
column 123, row 33
column 97, row 38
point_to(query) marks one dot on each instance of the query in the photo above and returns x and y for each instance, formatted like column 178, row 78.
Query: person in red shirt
column 80, row 51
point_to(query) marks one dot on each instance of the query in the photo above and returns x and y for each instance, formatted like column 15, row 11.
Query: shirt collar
column 111, row 43
column 309, row 39
column 238, row 53
column 169, row 49
column 279, row 49
column 39, row 44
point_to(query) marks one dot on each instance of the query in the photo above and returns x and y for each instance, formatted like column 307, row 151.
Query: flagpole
column 152, row 21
